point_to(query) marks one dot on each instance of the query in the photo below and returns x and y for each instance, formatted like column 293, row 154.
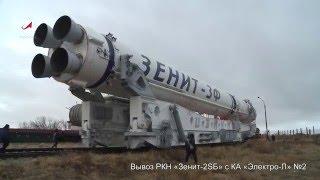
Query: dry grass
column 117, row 166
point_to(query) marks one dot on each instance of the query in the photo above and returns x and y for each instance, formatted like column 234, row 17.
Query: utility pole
column 265, row 117
column 313, row 130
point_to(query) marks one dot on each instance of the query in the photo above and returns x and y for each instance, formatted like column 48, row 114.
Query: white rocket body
column 94, row 63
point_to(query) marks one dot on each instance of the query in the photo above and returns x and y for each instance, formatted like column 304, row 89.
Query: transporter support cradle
column 151, row 103
column 143, row 120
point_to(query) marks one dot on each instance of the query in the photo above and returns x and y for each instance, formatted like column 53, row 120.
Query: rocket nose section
column 252, row 114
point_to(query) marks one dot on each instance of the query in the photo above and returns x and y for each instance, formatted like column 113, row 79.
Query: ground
column 300, row 150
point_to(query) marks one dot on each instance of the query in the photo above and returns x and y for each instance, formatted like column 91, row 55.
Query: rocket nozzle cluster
column 40, row 66
column 61, row 60
column 66, row 29
column 43, row 37
column 65, row 61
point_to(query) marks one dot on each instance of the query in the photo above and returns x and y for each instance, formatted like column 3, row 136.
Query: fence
column 305, row 131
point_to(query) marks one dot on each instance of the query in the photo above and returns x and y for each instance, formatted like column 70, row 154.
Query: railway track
column 35, row 152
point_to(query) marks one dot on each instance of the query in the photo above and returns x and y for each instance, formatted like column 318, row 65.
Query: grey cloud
column 247, row 48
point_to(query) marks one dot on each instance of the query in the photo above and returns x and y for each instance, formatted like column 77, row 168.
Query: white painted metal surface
column 100, row 66
column 164, row 103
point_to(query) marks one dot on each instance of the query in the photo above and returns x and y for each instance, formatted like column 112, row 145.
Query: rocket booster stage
column 80, row 57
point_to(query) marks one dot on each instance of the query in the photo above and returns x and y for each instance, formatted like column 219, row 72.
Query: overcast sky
column 248, row 48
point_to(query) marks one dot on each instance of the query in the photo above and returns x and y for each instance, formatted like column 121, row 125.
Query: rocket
column 82, row 58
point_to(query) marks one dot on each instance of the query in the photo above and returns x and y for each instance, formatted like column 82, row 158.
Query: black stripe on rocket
column 109, row 67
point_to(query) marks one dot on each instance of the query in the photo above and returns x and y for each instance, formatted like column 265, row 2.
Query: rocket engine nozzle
column 41, row 66
column 64, row 61
column 66, row 29
column 43, row 37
